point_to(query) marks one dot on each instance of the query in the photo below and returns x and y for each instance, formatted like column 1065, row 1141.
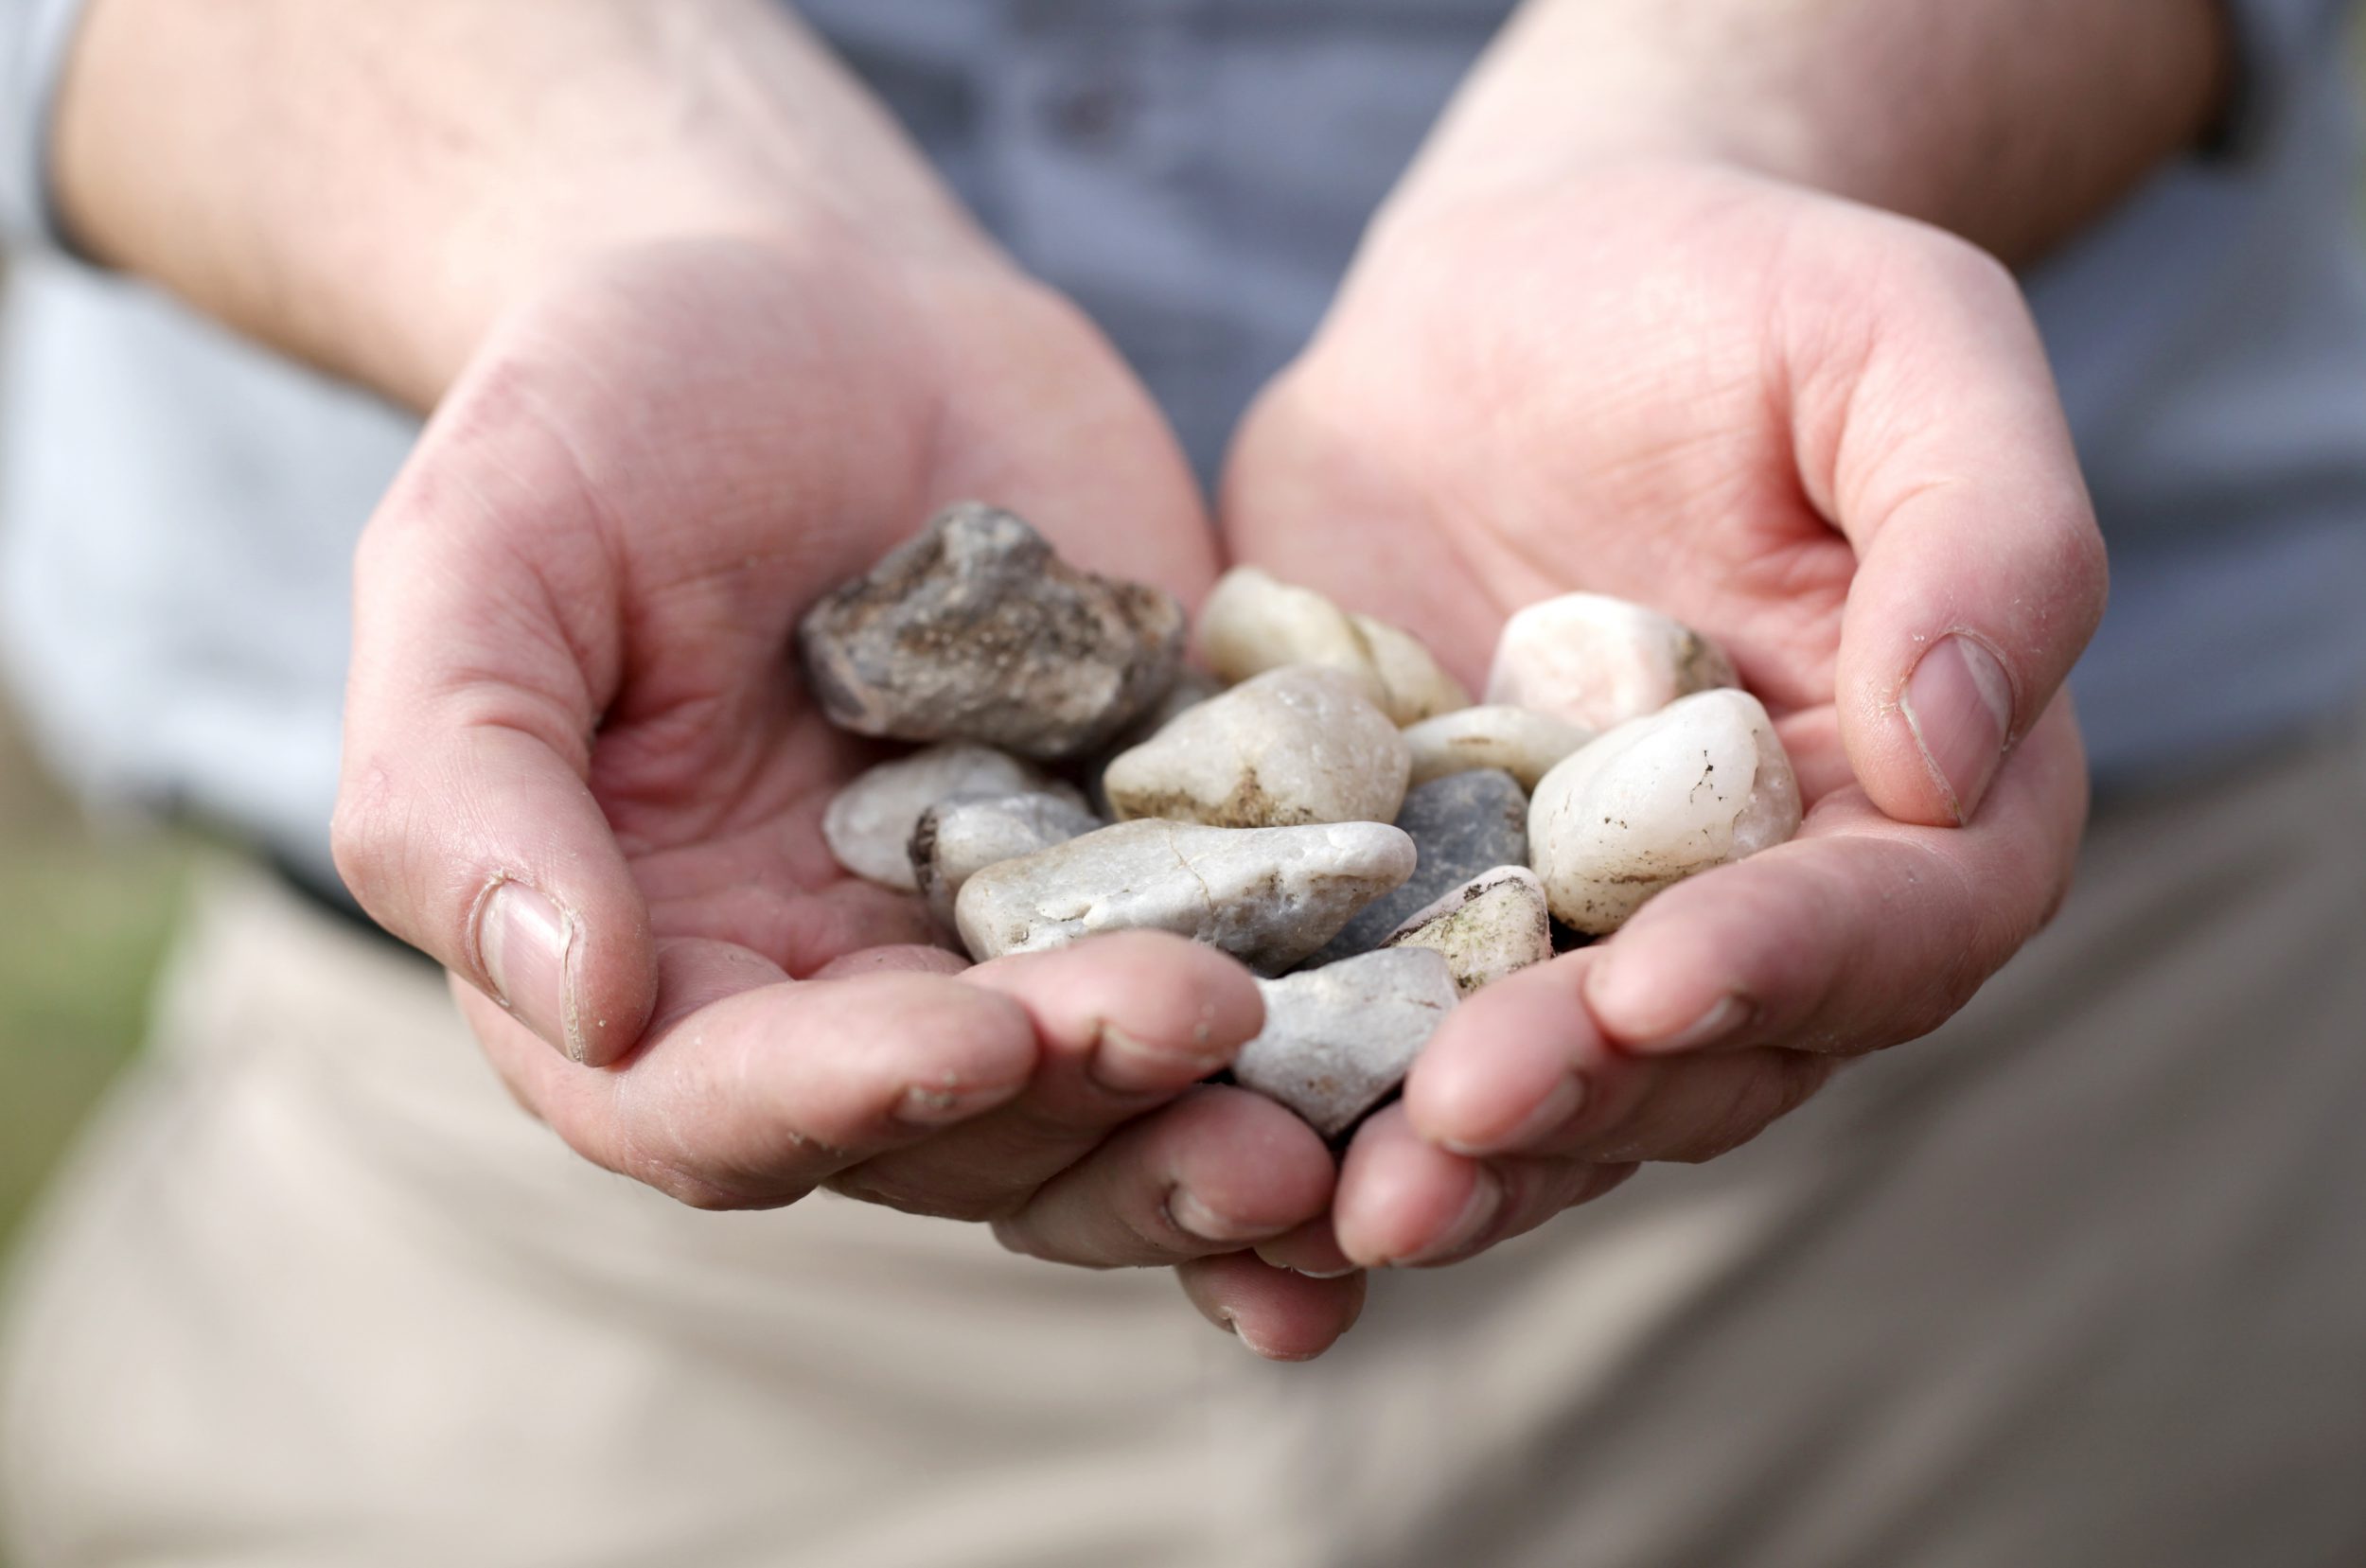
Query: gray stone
column 976, row 631
column 1337, row 1040
column 1292, row 746
column 1492, row 926
column 1270, row 896
column 1700, row 783
column 956, row 838
column 868, row 824
column 1462, row 825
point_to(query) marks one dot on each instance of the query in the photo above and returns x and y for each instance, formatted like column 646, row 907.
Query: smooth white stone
column 1268, row 896
column 959, row 838
column 1291, row 747
column 1599, row 661
column 1253, row 622
column 1523, row 743
column 1492, row 926
column 1337, row 1039
column 1700, row 783
column 868, row 824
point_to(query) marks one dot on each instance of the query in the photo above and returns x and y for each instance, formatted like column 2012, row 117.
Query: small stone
column 868, row 824
column 1292, row 746
column 1337, row 1040
column 1599, row 662
column 976, row 631
column 1524, row 745
column 1189, row 690
column 1462, row 825
column 1268, row 896
column 1700, row 783
column 1253, row 622
column 1491, row 926
column 956, row 839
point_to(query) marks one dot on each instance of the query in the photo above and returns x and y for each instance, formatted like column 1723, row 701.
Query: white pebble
column 1700, row 783
column 1268, row 896
column 1254, row 621
column 868, row 824
column 1599, row 661
column 1524, row 745
column 1292, row 746
column 1492, row 926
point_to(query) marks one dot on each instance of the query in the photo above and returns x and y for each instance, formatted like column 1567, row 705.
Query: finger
column 464, row 823
column 1935, row 439
column 1279, row 1315
column 1311, row 1249
column 1216, row 1172
column 750, row 1090
column 1125, row 1022
column 1861, row 933
column 1404, row 1203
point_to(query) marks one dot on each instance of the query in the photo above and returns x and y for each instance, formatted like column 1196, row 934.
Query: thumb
column 464, row 823
column 1945, row 459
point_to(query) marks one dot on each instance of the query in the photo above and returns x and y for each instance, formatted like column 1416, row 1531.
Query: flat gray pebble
column 1461, row 825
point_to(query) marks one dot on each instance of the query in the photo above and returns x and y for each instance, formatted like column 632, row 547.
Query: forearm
column 366, row 186
column 2010, row 122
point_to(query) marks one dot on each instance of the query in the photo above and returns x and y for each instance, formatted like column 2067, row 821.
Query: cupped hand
column 1826, row 435
column 582, row 772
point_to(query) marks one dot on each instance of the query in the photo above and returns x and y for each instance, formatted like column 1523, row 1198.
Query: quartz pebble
column 1491, row 926
column 1189, row 690
column 1268, row 896
column 1337, row 1040
column 1599, row 662
column 956, row 838
column 1253, row 622
column 976, row 631
column 1523, row 744
column 1700, row 783
column 1293, row 746
column 1462, row 825
column 868, row 824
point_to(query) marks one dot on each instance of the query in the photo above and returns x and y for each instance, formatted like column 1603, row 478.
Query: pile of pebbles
column 1326, row 802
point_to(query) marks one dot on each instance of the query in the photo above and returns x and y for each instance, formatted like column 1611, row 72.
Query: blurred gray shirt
column 178, row 510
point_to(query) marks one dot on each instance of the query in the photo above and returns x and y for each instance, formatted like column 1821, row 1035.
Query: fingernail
column 1960, row 706
column 1196, row 1218
column 1124, row 1064
column 525, row 943
column 1566, row 1098
column 1310, row 1250
column 1487, row 1198
column 940, row 1105
column 1722, row 1020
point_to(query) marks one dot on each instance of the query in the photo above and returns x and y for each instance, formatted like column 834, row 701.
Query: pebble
column 1523, row 743
column 1189, row 690
column 1291, row 747
column 1254, row 621
column 1599, row 662
column 1462, row 825
column 868, row 824
column 1700, row 783
column 956, row 839
column 976, row 631
column 1268, row 896
column 1491, row 927
column 1337, row 1040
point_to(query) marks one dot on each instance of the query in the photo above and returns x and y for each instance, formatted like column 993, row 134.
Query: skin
column 701, row 338
column 1637, row 323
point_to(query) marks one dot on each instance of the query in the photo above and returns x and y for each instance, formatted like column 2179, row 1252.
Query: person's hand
column 582, row 771
column 1827, row 437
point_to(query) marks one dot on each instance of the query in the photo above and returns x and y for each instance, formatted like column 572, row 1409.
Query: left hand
column 1823, row 434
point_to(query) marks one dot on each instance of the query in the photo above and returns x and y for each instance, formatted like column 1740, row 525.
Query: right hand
column 582, row 772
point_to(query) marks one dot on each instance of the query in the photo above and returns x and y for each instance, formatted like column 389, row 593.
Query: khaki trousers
column 2079, row 1280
